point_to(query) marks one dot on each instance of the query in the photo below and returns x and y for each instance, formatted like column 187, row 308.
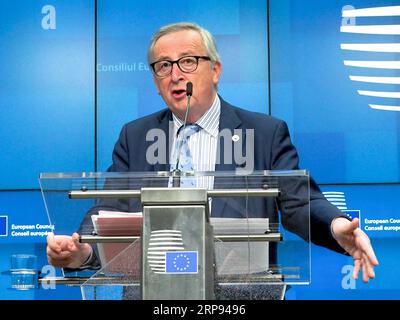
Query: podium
column 231, row 237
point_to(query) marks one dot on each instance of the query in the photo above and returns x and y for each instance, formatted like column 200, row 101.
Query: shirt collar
column 209, row 121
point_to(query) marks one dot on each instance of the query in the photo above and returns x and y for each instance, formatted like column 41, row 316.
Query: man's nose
column 176, row 73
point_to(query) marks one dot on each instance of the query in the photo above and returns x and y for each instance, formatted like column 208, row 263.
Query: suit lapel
column 229, row 121
column 164, row 120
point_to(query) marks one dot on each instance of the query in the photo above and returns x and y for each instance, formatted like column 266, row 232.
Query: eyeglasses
column 186, row 64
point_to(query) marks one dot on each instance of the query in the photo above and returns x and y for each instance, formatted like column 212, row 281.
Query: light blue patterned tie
column 185, row 157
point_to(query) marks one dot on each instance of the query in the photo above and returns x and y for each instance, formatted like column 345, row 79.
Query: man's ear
column 217, row 68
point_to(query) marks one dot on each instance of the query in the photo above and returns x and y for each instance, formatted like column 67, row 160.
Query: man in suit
column 185, row 52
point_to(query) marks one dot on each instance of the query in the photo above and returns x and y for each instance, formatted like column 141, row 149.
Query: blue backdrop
column 281, row 57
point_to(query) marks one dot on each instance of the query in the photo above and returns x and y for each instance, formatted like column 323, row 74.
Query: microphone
column 176, row 180
column 189, row 92
column 189, row 89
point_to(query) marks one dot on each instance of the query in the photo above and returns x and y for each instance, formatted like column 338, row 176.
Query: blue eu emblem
column 3, row 226
column 181, row 262
column 352, row 214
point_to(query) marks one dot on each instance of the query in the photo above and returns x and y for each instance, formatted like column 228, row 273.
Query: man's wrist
column 333, row 232
column 335, row 220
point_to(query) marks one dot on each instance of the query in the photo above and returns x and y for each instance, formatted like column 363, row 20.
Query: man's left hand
column 352, row 239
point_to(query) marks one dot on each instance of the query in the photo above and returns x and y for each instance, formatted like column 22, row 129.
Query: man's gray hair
column 208, row 39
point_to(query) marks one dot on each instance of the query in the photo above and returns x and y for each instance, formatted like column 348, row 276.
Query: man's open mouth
column 178, row 93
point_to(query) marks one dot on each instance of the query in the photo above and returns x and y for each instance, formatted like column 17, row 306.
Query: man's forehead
column 183, row 34
column 178, row 43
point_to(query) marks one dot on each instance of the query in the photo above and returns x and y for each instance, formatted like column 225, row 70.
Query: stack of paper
column 241, row 226
column 114, row 223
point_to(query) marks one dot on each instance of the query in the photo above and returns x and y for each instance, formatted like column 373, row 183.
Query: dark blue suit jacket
column 273, row 151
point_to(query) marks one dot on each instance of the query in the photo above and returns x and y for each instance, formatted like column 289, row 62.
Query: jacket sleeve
column 120, row 164
column 297, row 216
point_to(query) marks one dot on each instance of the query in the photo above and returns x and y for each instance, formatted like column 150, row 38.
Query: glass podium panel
column 119, row 278
column 232, row 236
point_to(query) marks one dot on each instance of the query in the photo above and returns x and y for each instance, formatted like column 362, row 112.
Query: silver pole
column 217, row 193
column 271, row 237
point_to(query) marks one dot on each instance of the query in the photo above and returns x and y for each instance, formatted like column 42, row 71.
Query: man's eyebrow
column 162, row 58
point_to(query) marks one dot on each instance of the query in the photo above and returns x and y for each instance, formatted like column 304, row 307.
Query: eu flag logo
column 352, row 214
column 3, row 226
column 181, row 262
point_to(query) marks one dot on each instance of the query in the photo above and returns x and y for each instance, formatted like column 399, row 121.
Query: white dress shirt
column 202, row 144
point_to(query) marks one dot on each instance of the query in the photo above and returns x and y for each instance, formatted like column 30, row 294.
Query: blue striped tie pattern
column 185, row 156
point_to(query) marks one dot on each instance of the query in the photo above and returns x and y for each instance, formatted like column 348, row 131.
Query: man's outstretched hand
column 352, row 239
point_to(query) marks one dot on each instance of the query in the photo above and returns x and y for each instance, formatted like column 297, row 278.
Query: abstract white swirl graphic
column 385, row 48
column 338, row 199
column 161, row 242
